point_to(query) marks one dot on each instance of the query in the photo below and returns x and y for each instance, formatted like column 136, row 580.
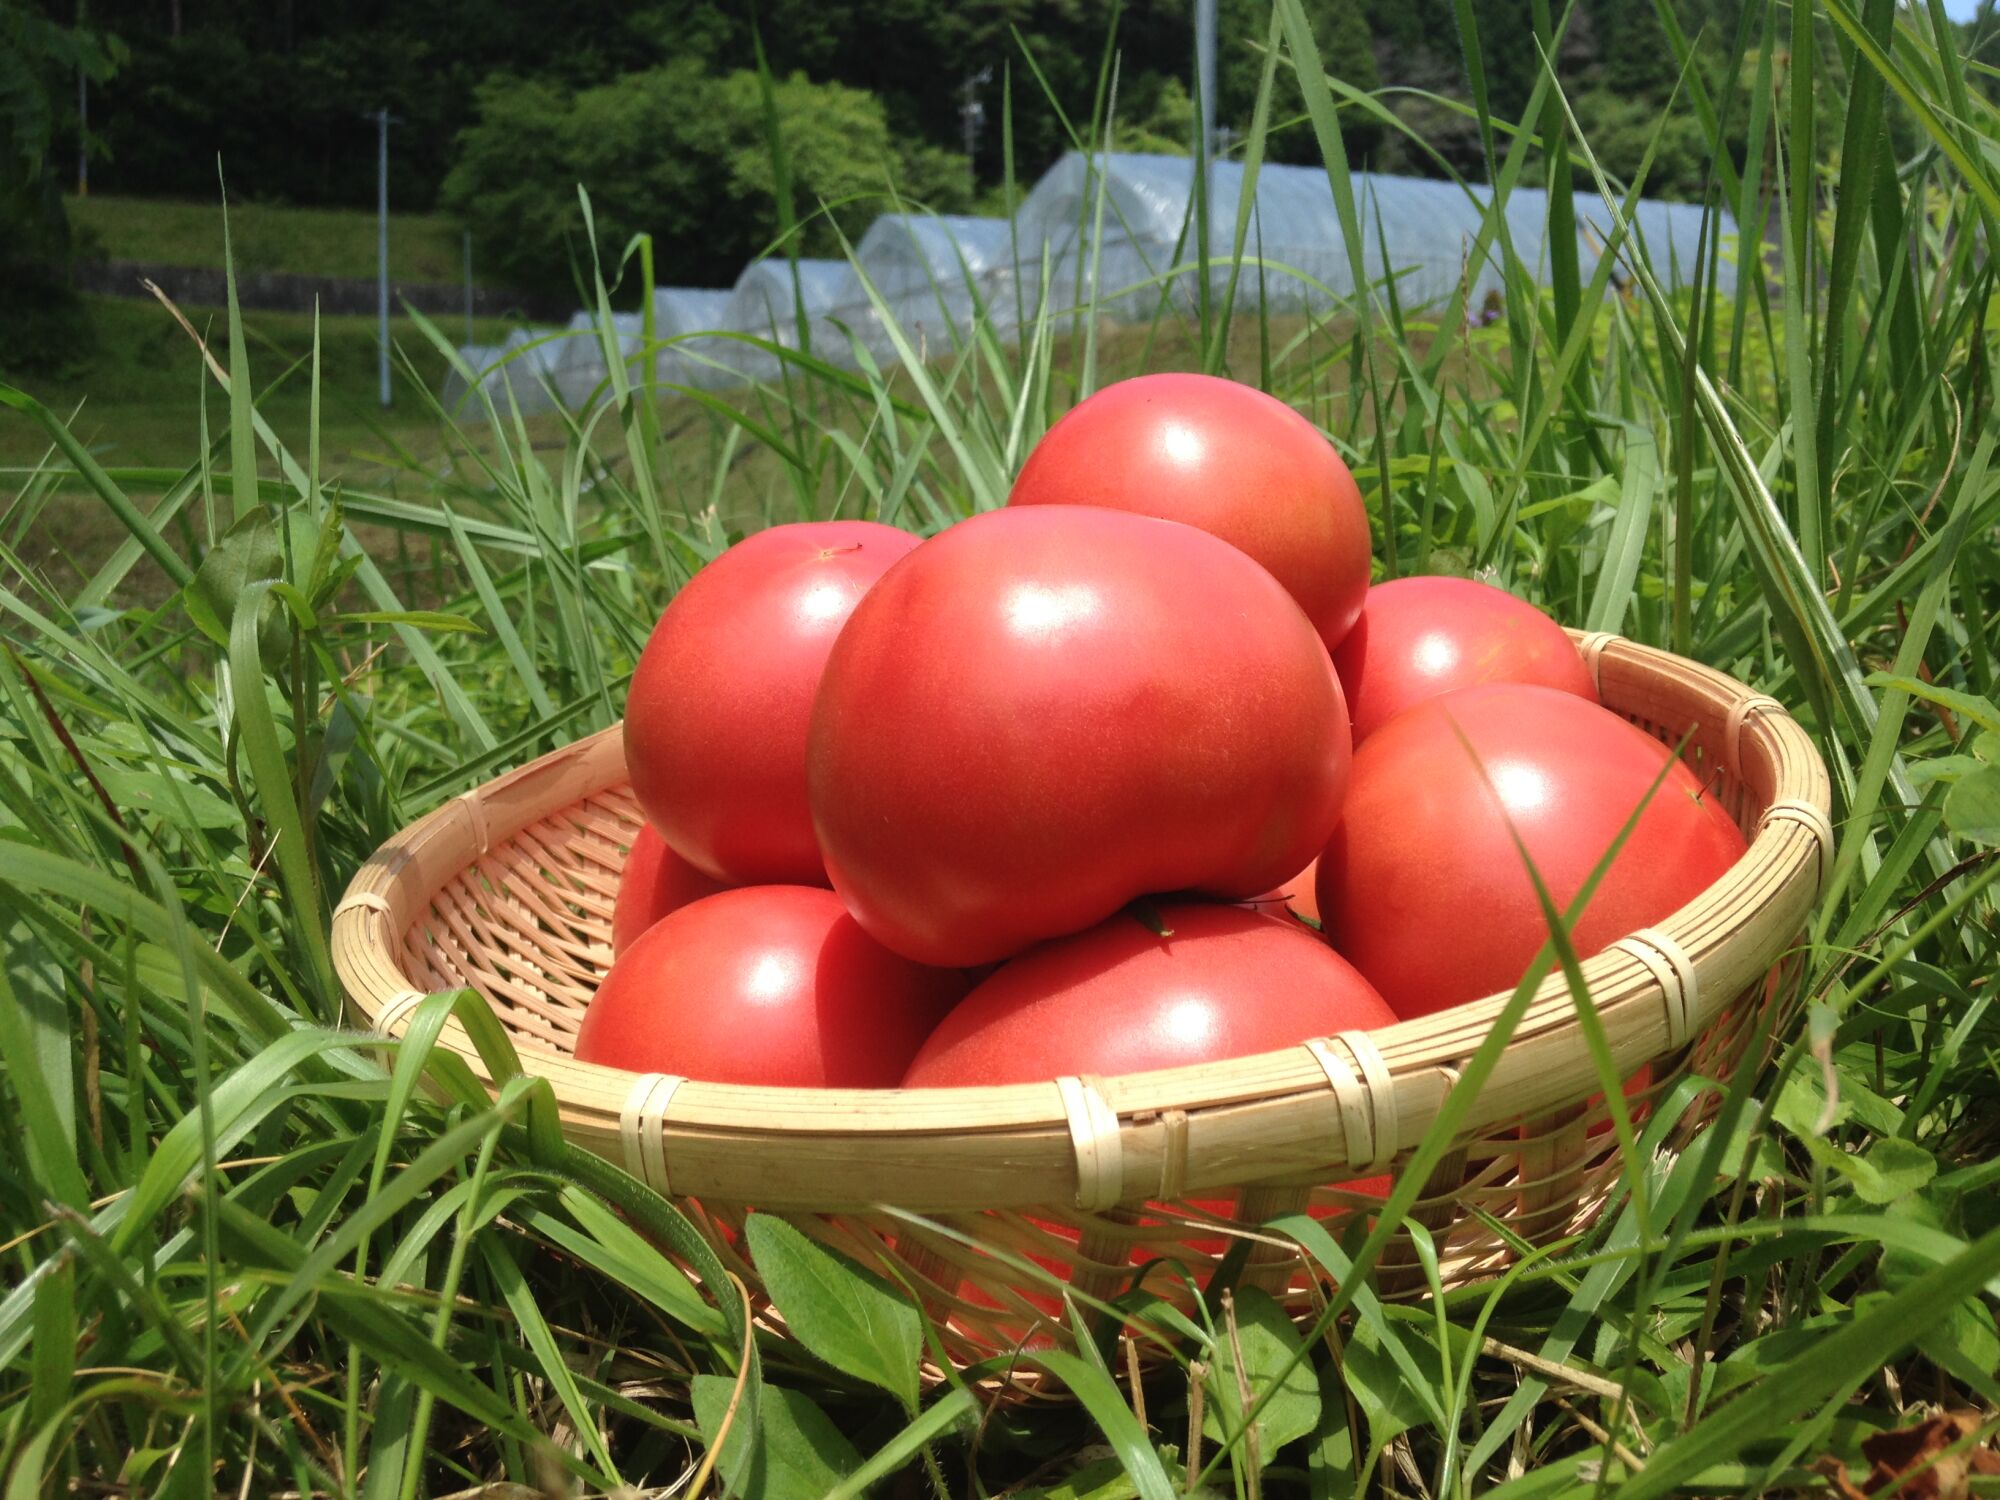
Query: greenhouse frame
column 1114, row 235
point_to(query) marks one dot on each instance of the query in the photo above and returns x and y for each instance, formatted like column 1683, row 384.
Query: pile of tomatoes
column 1137, row 771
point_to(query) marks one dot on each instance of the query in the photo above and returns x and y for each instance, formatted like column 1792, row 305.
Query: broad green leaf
column 1980, row 711
column 247, row 553
column 1388, row 1403
column 1895, row 1167
column 1802, row 1106
column 1972, row 807
column 784, row 1449
column 842, row 1312
column 155, row 794
column 1330, row 1457
column 1270, row 1345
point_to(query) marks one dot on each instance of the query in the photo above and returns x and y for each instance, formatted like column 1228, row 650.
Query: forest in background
column 658, row 109
column 501, row 109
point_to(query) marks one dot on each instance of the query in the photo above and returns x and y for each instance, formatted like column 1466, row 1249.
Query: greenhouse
column 580, row 367
column 1429, row 230
column 525, row 363
column 765, row 304
column 679, row 313
column 935, row 272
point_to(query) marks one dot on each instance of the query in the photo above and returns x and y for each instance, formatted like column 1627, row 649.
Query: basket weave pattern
column 509, row 890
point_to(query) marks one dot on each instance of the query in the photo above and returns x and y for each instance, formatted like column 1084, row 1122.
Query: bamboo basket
column 509, row 888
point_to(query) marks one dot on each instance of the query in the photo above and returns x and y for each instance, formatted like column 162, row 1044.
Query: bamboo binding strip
column 509, row 888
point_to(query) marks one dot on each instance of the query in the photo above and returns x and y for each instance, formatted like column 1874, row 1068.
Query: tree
column 41, row 321
column 684, row 156
column 1346, row 49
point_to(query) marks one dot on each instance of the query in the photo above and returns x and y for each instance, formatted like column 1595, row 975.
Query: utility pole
column 82, row 133
column 1204, row 74
column 468, row 288
column 82, row 117
column 382, row 242
column 971, row 118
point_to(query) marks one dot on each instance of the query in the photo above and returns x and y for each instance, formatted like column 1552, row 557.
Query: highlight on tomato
column 1047, row 711
column 1422, row 885
column 715, row 724
column 765, row 985
column 1224, row 457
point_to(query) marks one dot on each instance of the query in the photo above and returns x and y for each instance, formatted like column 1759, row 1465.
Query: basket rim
column 1310, row 1111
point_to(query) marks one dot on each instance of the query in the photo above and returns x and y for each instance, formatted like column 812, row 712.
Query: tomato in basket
column 1047, row 711
column 715, row 724
column 1227, row 458
column 765, row 985
column 1418, row 638
column 655, row 883
column 1422, row 886
column 1121, row 998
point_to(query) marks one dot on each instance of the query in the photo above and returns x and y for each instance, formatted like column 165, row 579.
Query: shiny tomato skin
column 1421, row 885
column 1045, row 712
column 765, row 985
column 1122, row 999
column 1225, row 457
column 715, row 725
column 1421, row 637
column 655, row 883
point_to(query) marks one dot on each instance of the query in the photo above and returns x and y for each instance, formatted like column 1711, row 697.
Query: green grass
column 270, row 237
column 137, row 394
column 136, row 403
column 247, row 1254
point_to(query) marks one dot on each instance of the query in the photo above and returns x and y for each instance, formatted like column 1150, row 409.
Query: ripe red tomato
column 715, row 727
column 656, row 883
column 1420, row 637
column 769, row 984
column 1122, row 999
column 1045, row 712
column 1423, row 889
column 1224, row 457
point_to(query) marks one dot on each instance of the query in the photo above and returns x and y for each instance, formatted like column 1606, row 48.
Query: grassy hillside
column 137, row 398
column 269, row 237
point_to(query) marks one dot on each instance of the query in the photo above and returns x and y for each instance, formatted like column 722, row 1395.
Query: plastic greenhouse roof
column 1428, row 228
column 762, row 297
column 689, row 309
column 936, row 276
column 907, row 252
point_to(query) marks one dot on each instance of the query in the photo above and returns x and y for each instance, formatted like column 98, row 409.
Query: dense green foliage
column 634, row 98
column 249, row 1251
column 42, row 324
column 684, row 156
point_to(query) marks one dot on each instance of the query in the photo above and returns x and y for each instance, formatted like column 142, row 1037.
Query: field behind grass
column 136, row 397
column 269, row 237
column 250, row 1251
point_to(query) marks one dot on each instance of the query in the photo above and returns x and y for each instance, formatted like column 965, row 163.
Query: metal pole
column 382, row 241
column 82, row 116
column 468, row 288
column 1204, row 69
